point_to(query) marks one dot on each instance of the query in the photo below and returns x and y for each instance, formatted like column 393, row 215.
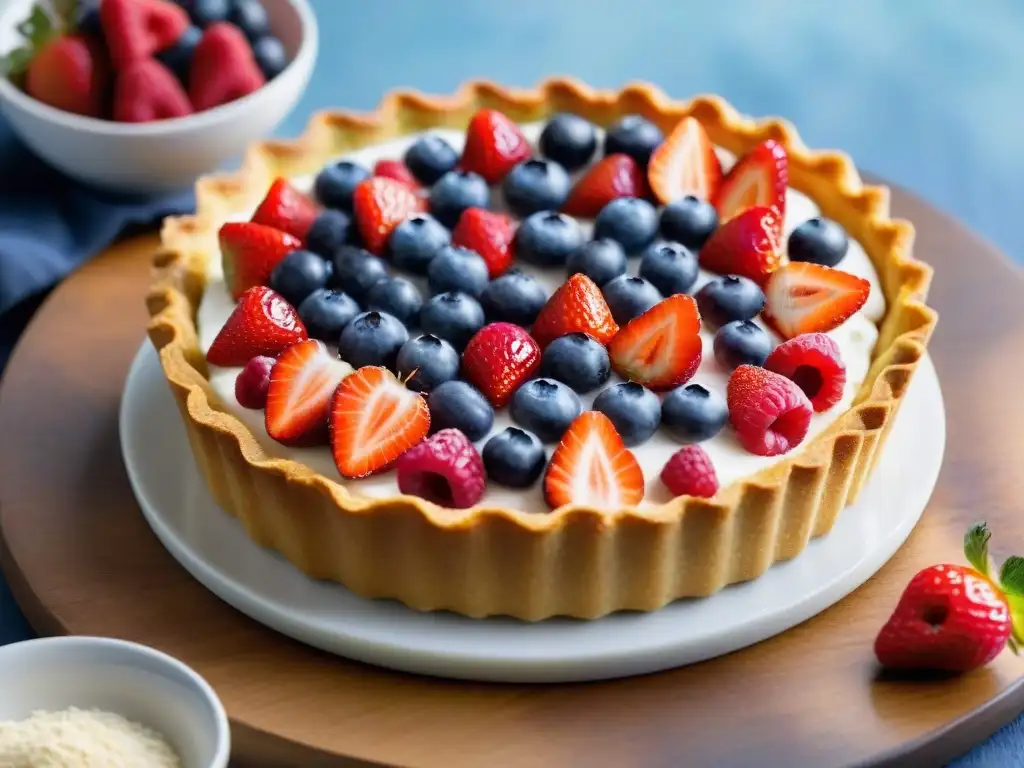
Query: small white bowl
column 168, row 155
column 134, row 681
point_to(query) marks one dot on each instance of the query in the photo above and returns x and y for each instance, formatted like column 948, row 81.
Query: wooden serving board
column 81, row 559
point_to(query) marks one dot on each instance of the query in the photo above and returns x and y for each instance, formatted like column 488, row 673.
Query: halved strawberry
column 302, row 383
column 685, row 164
column 374, row 419
column 249, row 252
column 397, row 170
column 612, row 177
column 759, row 178
column 380, row 204
column 494, row 144
column 661, row 348
column 499, row 358
column 262, row 323
column 285, row 208
column 577, row 306
column 591, row 467
column 802, row 297
column 489, row 234
column 746, row 245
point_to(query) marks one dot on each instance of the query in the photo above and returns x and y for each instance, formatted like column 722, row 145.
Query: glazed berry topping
column 397, row 297
column 262, row 323
column 633, row 409
column 692, row 413
column 445, row 469
column 330, row 230
column 425, row 362
column 395, row 169
column 577, row 360
column 535, row 185
column 178, row 57
column 629, row 297
column 415, row 242
column 499, row 358
column 299, row 274
column 729, row 298
column 819, row 240
column 545, row 407
column 453, row 316
column 514, row 458
column 253, row 381
column 813, row 362
column 771, row 414
column 488, row 233
column 457, row 269
column 669, row 267
column 601, row 260
column 746, row 245
column 270, row 56
column 379, row 205
column 494, row 144
column 635, row 136
column 457, row 405
column 569, row 140
column 356, row 271
column 251, row 17
column 430, row 158
column 515, row 297
column 608, row 179
column 326, row 313
column 577, row 306
column 741, row 342
column 690, row 473
column 204, row 12
column 689, row 221
column 455, row 192
column 372, row 338
column 547, row 238
column 336, row 183
column 631, row 221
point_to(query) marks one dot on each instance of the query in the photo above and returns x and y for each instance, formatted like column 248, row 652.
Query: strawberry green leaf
column 1011, row 576
column 16, row 62
column 38, row 29
column 976, row 547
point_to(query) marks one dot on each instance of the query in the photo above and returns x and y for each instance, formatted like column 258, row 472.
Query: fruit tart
column 538, row 352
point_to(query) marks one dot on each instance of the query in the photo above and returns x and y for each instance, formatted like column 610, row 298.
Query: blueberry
column 729, row 298
column 270, row 56
column 628, row 297
column 398, row 297
column 456, row 404
column 434, row 361
column 430, row 158
column 251, row 17
column 336, row 182
column 692, row 414
column 330, row 230
column 630, row 221
column 372, row 338
column 689, row 221
column 547, row 238
column 325, row 313
column 515, row 297
column 206, row 12
column 514, row 458
column 416, row 241
column 741, row 342
column 356, row 271
column 535, row 185
column 87, row 18
column 669, row 267
column 576, row 360
column 178, row 57
column 569, row 140
column 453, row 316
column 634, row 136
column 601, row 260
column 820, row 241
column 457, row 269
column 299, row 274
column 633, row 409
column 455, row 192
column 545, row 407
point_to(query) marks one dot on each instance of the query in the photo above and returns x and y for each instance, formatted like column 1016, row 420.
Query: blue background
column 926, row 93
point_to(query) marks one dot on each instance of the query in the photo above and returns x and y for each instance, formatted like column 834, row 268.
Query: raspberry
column 253, row 381
column 813, row 362
column 444, row 469
column 690, row 473
column 769, row 412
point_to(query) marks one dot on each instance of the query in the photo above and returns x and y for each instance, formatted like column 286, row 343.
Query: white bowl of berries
column 143, row 96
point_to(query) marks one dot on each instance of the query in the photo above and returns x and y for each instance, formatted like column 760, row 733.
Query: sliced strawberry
column 493, row 145
column 685, row 164
column 374, row 419
column 746, row 245
column 380, row 204
column 262, row 323
column 287, row 209
column 612, row 177
column 302, row 383
column 249, row 252
column 802, row 297
column 661, row 348
column 759, row 178
column 499, row 358
column 397, row 170
column 591, row 467
column 578, row 306
column 489, row 234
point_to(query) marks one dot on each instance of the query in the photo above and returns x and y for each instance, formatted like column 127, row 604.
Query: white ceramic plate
column 213, row 547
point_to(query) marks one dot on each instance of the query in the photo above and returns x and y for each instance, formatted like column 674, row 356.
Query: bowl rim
column 304, row 57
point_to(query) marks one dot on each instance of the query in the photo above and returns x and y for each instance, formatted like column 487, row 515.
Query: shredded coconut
column 78, row 738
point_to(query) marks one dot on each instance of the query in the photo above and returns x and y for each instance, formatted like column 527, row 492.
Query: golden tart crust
column 579, row 562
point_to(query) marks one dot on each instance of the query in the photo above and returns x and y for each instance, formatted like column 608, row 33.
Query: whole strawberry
column 955, row 618
column 499, row 358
